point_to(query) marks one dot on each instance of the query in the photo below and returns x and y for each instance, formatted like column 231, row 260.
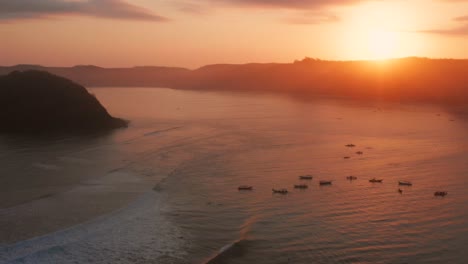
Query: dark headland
column 38, row 102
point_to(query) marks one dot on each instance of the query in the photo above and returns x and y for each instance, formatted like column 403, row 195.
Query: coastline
column 133, row 227
column 81, row 203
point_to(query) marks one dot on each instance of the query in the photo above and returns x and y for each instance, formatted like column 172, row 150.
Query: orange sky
column 191, row 33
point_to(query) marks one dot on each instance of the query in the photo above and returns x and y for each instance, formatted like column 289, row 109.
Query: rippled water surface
column 187, row 152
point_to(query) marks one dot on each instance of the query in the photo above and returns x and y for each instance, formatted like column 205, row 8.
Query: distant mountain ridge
column 90, row 75
column 442, row 80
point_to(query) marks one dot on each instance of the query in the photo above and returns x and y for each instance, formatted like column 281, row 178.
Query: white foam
column 45, row 166
column 74, row 160
column 133, row 234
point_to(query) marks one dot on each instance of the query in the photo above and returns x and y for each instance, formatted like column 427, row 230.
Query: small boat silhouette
column 351, row 178
column 325, row 182
column 350, row 145
column 347, row 157
column 375, row 180
column 301, row 186
column 281, row 191
column 406, row 183
column 305, row 177
column 359, row 152
column 245, row 188
column 400, row 190
column 440, row 193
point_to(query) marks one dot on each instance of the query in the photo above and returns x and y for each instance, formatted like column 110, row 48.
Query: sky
column 193, row 33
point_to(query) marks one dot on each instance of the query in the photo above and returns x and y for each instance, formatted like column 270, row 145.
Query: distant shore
column 70, row 205
column 406, row 79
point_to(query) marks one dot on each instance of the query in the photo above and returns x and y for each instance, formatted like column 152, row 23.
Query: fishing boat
column 406, row 183
column 359, row 152
column 325, row 182
column 400, row 190
column 440, row 193
column 281, row 191
column 350, row 145
column 351, row 178
column 347, row 157
column 375, row 180
column 245, row 188
column 301, row 186
column 305, row 177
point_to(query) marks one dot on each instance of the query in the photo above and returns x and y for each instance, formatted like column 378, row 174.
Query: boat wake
column 232, row 250
column 237, row 248
column 161, row 131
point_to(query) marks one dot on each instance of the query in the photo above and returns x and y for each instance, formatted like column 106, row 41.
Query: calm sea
column 165, row 189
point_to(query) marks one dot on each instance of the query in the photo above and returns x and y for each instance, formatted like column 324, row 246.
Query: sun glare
column 373, row 33
column 381, row 45
column 371, row 44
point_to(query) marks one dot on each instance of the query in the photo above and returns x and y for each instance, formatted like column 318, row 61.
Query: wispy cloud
column 457, row 31
column 311, row 18
column 304, row 12
column 12, row 10
column 462, row 18
column 460, row 30
column 296, row 4
column 201, row 6
column 192, row 7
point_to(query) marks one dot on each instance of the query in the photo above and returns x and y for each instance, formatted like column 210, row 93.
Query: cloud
column 462, row 18
column 311, row 18
column 461, row 30
column 456, row 31
column 304, row 12
column 292, row 4
column 192, row 6
column 11, row 10
column 192, row 9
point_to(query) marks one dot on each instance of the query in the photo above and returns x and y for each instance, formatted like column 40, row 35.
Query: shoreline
column 79, row 204
column 104, row 237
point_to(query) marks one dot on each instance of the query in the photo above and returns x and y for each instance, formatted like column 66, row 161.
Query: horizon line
column 244, row 63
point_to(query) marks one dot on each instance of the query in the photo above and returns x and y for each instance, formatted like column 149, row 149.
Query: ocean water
column 165, row 189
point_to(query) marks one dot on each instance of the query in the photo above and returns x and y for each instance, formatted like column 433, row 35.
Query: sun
column 381, row 44
column 373, row 31
column 371, row 44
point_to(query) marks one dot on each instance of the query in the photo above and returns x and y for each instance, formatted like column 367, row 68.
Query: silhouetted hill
column 407, row 79
column 40, row 102
column 89, row 75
